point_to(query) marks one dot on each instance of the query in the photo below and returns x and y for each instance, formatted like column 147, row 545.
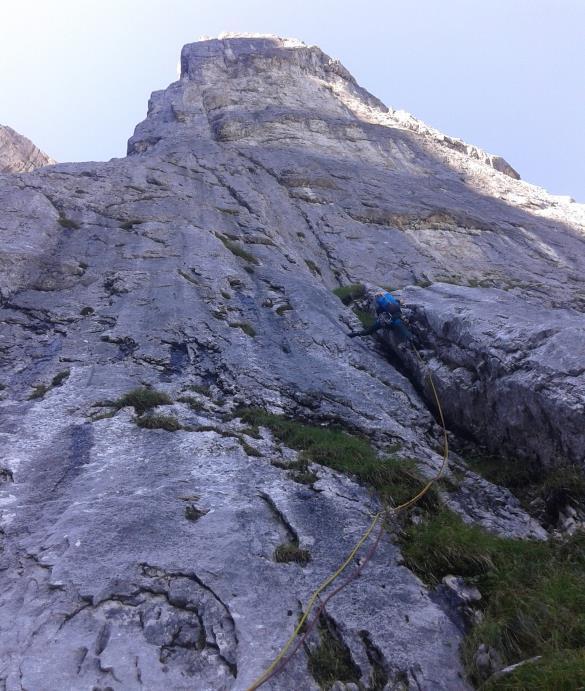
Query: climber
column 388, row 316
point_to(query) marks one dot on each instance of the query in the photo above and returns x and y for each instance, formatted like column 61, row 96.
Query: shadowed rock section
column 511, row 374
column 138, row 542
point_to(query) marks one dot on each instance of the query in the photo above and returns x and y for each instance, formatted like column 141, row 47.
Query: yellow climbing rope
column 263, row 678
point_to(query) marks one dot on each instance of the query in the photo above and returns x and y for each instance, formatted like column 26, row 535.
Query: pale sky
column 505, row 75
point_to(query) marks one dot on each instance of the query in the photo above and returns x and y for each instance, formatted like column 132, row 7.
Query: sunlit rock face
column 18, row 154
column 202, row 265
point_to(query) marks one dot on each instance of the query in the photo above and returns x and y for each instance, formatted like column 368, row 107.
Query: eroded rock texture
column 260, row 181
column 18, row 154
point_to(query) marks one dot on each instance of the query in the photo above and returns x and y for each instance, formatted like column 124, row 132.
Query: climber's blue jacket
column 388, row 315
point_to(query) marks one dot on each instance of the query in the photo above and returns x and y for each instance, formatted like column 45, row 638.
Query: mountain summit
column 191, row 443
column 264, row 89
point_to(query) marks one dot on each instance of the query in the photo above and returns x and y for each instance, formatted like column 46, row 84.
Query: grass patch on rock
column 253, row 432
column 331, row 660
column 249, row 450
column 304, row 477
column 142, row 399
column 300, row 465
column 247, row 328
column 366, row 318
column 290, row 552
column 543, row 492
column 166, row 422
column 38, row 392
column 394, row 480
column 199, row 388
column 564, row 671
column 533, row 591
column 59, row 378
column 347, row 294
column 192, row 402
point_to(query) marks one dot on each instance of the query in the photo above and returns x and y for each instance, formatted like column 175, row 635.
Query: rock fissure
column 202, row 266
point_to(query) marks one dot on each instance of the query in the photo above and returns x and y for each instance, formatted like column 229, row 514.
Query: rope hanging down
column 282, row 659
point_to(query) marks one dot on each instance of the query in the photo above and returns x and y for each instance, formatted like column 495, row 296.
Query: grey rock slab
column 261, row 180
column 197, row 602
column 508, row 372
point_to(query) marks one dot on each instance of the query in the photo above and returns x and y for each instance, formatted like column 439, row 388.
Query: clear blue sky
column 506, row 75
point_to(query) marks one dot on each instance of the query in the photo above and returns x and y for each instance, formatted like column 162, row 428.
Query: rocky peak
column 187, row 428
column 18, row 154
column 263, row 89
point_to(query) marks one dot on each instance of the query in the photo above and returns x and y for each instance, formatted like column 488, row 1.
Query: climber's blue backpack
column 387, row 303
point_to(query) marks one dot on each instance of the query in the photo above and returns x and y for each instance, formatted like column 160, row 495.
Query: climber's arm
column 376, row 326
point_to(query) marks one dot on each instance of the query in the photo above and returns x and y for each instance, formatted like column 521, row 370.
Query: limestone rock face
column 18, row 154
column 510, row 372
column 202, row 265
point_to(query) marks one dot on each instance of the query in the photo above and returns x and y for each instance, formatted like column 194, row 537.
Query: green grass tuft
column 534, row 591
column 166, row 422
column 548, row 489
column 563, row 671
column 38, row 392
column 249, row 450
column 199, row 388
column 142, row 399
column 366, row 318
column 192, row 402
column 445, row 545
column 300, row 465
column 561, row 486
column 253, row 432
column 290, row 552
column 394, row 480
column 58, row 379
column 247, row 328
column 41, row 389
column 304, row 477
column 347, row 294
column 331, row 661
